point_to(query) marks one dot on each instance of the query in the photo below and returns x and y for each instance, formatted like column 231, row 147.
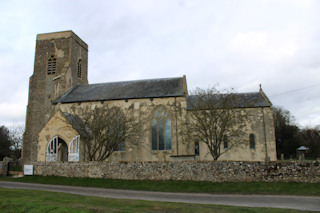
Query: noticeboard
column 28, row 170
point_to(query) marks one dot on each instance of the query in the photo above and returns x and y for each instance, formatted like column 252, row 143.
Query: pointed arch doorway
column 57, row 150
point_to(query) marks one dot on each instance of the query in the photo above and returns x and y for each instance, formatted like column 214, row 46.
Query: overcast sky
column 238, row 44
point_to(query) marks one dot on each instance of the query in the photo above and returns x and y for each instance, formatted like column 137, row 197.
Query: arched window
column 52, row 150
column 161, row 130
column 121, row 147
column 252, row 141
column 74, row 149
column 225, row 142
column 52, row 65
column 196, row 149
column 79, row 68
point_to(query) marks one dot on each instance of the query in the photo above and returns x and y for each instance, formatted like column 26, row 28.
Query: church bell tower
column 61, row 62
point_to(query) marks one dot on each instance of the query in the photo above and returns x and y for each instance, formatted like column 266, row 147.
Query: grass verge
column 291, row 188
column 18, row 200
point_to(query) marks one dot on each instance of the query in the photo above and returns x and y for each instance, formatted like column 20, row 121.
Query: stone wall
column 4, row 166
column 219, row 171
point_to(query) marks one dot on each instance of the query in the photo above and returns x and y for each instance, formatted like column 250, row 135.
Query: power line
column 296, row 90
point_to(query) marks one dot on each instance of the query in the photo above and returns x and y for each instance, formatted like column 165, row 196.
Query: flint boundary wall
column 220, row 171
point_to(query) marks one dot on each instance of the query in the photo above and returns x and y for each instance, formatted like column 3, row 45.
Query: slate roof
column 153, row 88
column 240, row 100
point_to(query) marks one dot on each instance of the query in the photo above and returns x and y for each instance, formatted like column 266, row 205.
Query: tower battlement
column 62, row 34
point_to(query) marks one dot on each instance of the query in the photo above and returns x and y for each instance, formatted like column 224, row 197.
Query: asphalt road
column 271, row 201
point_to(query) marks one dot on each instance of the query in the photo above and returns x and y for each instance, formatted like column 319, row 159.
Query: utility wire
column 296, row 90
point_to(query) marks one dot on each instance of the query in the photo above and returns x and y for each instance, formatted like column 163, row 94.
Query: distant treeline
column 289, row 136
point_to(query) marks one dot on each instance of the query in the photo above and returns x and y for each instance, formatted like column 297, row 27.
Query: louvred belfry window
column 52, row 65
column 79, row 68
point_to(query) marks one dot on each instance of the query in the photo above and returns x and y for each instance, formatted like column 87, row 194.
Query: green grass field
column 16, row 200
column 292, row 188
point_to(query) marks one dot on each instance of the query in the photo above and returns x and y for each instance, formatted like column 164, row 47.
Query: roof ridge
column 234, row 93
column 151, row 79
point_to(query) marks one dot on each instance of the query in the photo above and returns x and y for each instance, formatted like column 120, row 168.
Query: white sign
column 28, row 170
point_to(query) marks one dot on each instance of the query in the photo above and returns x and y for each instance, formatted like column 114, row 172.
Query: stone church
column 60, row 82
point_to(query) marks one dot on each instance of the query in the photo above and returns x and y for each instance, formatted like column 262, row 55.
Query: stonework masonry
column 4, row 166
column 67, row 49
column 59, row 85
column 218, row 171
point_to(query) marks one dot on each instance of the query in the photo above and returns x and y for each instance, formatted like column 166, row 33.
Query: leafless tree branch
column 213, row 119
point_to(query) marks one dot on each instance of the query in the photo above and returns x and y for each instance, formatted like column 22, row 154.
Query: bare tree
column 105, row 129
column 5, row 142
column 16, row 134
column 214, row 119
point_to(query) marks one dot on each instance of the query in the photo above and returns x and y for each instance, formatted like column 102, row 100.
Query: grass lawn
column 18, row 200
column 292, row 188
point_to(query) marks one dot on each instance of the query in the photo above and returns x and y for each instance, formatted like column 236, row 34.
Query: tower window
column 252, row 141
column 52, row 65
column 79, row 68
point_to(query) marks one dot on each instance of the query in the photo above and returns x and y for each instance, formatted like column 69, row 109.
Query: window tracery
column 161, row 130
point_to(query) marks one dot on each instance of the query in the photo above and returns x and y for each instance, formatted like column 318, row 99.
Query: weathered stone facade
column 260, row 124
column 144, row 110
column 55, row 89
column 218, row 171
column 56, row 126
column 67, row 48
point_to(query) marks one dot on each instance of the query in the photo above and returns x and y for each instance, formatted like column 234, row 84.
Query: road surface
column 269, row 201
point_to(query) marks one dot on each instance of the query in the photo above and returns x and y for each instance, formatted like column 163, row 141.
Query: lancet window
column 74, row 149
column 252, row 141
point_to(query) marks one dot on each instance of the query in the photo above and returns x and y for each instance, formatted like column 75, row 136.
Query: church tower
column 61, row 62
